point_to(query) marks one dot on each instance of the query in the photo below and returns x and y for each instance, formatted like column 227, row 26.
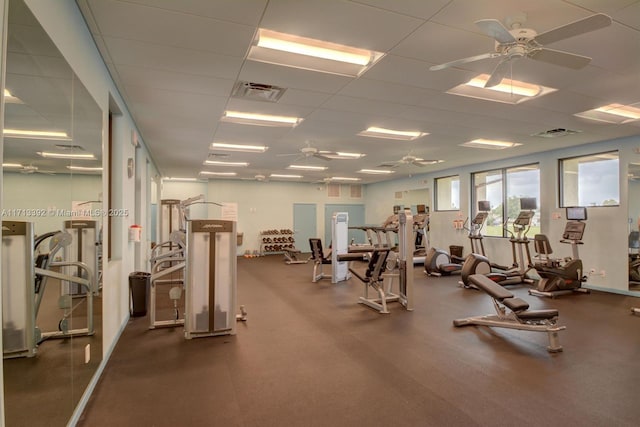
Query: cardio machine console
column 480, row 218
column 524, row 218
column 574, row 230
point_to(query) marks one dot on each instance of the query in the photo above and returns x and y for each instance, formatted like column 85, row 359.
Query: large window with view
column 592, row 180
column 447, row 191
column 504, row 189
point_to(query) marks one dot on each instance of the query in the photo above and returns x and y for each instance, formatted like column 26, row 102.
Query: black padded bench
column 519, row 317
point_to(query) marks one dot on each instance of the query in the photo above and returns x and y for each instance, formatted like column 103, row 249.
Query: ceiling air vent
column 555, row 133
column 257, row 91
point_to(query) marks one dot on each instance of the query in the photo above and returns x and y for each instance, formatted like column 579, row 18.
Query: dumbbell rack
column 275, row 241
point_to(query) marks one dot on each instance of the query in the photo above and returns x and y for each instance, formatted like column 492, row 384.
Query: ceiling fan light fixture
column 259, row 119
column 490, row 144
column 376, row 171
column 219, row 163
column 612, row 113
column 404, row 135
column 223, row 146
column 75, row 156
column 307, row 167
column 311, row 54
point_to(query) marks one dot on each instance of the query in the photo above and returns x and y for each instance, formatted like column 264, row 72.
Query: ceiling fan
column 408, row 160
column 29, row 169
column 519, row 42
column 309, row 151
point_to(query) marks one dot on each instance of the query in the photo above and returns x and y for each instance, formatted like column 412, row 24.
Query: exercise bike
column 561, row 276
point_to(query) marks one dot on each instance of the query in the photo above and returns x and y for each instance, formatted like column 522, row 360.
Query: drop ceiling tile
column 130, row 21
column 247, row 12
column 129, row 52
column 304, row 98
column 340, row 22
column 172, row 81
column 383, row 91
column 417, row 8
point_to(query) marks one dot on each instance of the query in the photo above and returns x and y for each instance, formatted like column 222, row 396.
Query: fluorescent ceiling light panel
column 219, row 163
column 10, row 99
column 66, row 155
column 405, row 135
column 343, row 178
column 259, row 119
column 308, row 167
column 172, row 178
column 11, row 165
column 223, row 146
column 342, row 155
column 508, row 91
column 311, row 54
column 85, row 168
column 218, row 173
column 36, row 134
column 280, row 175
column 376, row 171
column 490, row 144
column 612, row 113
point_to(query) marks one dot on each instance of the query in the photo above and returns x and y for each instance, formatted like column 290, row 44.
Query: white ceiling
column 175, row 63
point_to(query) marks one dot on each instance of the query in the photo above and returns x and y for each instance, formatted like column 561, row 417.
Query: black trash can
column 139, row 283
column 455, row 250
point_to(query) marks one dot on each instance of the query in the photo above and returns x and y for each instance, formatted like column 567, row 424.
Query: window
column 504, row 188
column 447, row 191
column 592, row 180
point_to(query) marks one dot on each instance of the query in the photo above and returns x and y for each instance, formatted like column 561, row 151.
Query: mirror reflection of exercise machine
column 561, row 276
column 85, row 235
column 24, row 279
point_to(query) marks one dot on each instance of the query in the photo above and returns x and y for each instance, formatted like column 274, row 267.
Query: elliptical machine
column 562, row 276
column 479, row 264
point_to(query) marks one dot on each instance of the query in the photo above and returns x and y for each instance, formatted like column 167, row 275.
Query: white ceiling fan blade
column 321, row 156
column 581, row 26
column 558, row 57
column 498, row 74
column 494, row 28
column 464, row 61
column 419, row 163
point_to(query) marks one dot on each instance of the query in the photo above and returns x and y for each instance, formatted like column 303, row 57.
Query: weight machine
column 24, row 280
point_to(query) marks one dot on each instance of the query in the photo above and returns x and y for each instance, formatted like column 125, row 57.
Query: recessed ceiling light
column 219, row 163
column 376, row 171
column 85, row 168
column 308, row 167
column 87, row 156
column 174, row 178
column 36, row 134
column 612, row 113
column 344, row 178
column 490, row 144
column 259, row 119
column 405, row 135
column 311, row 54
column 280, row 175
column 218, row 173
column 508, row 91
column 238, row 147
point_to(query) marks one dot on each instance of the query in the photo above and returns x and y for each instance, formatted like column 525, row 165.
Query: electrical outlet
column 87, row 353
column 603, row 273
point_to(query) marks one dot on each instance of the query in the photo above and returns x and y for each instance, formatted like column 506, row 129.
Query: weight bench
column 373, row 277
column 519, row 317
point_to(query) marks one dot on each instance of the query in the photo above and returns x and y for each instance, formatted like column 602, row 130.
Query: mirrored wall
column 52, row 220
column 633, row 174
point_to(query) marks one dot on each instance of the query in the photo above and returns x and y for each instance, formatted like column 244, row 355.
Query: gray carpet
column 309, row 355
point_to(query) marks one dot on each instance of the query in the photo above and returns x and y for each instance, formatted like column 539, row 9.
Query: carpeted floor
column 309, row 355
